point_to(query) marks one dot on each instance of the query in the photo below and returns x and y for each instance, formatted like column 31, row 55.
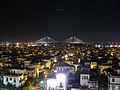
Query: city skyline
column 90, row 21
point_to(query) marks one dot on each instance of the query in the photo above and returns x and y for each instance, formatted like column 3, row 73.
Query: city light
column 55, row 71
column 60, row 45
column 61, row 77
column 41, row 82
column 17, row 44
column 52, row 83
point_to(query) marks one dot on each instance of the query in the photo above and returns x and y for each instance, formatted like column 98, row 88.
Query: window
column 10, row 78
column 61, row 86
column 84, row 77
column 14, row 80
column 113, row 80
column 6, row 79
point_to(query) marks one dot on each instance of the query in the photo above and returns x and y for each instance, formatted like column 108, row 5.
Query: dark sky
column 89, row 20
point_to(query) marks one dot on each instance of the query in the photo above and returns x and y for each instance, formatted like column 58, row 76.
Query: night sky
column 89, row 20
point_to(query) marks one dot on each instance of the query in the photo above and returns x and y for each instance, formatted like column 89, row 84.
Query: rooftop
column 52, row 75
column 12, row 74
column 62, row 64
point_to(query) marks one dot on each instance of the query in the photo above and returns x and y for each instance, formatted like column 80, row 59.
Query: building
column 87, row 75
column 18, row 71
column 33, row 69
column 91, row 63
column 62, row 66
column 113, row 80
column 15, row 79
column 84, row 78
column 31, row 72
column 27, row 63
column 51, row 84
column 84, row 69
column 57, row 81
column 93, row 84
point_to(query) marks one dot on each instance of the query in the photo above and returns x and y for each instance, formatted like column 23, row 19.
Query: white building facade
column 18, row 71
column 57, row 83
column 84, row 78
column 16, row 80
column 114, row 82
